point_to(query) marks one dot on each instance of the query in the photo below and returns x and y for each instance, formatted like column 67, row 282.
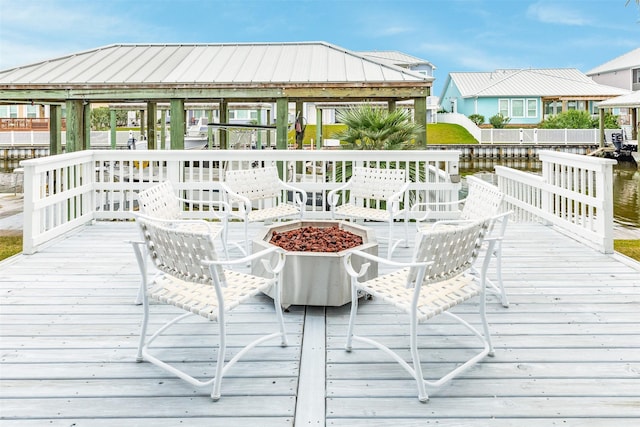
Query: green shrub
column 478, row 119
column 499, row 121
column 578, row 119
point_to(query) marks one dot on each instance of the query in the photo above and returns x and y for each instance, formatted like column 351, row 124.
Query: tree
column 101, row 118
column 372, row 128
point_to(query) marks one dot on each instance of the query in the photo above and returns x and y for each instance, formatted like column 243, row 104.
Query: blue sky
column 454, row 35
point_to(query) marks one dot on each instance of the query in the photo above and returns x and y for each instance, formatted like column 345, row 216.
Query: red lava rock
column 316, row 239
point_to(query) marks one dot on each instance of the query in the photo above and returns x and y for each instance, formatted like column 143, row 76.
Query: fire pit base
column 316, row 278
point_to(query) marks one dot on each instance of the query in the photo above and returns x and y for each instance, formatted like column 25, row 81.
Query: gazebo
column 630, row 101
column 222, row 74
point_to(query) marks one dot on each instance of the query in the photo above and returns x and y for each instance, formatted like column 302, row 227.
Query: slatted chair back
column 450, row 250
column 255, row 184
column 375, row 183
column 179, row 251
column 484, row 199
column 160, row 201
column 435, row 281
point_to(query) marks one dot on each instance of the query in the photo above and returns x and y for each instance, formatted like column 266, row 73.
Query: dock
column 567, row 348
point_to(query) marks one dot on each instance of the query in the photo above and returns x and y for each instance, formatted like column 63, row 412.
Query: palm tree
column 372, row 128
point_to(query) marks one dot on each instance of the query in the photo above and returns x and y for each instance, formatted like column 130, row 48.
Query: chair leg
column 278, row 307
column 143, row 329
column 247, row 245
column 415, row 357
column 391, row 244
column 503, row 292
column 406, row 231
column 352, row 316
column 222, row 347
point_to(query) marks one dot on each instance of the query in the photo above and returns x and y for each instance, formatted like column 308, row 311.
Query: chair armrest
column 244, row 259
column 332, row 196
column 230, row 194
column 381, row 260
column 393, row 202
column 429, row 208
column 273, row 269
column 224, row 207
column 300, row 196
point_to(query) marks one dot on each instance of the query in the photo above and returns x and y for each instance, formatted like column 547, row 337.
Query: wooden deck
column 567, row 350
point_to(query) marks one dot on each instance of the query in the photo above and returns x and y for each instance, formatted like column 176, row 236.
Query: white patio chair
column 192, row 278
column 437, row 279
column 483, row 199
column 258, row 194
column 160, row 202
column 374, row 194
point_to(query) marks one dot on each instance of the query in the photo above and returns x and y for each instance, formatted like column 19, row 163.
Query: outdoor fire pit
column 316, row 278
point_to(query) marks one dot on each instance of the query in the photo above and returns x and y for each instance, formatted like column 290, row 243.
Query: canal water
column 626, row 184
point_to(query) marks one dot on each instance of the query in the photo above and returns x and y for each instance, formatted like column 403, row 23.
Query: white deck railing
column 65, row 191
column 574, row 193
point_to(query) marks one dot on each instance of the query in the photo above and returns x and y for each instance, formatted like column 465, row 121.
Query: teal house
column 526, row 96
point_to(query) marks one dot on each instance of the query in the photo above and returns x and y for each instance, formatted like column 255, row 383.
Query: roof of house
column 546, row 82
column 211, row 64
column 394, row 57
column 622, row 62
column 630, row 100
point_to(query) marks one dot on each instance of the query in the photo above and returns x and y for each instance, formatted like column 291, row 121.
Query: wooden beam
column 420, row 117
column 282, row 123
column 75, row 125
column 177, row 124
column 224, row 118
column 319, row 128
column 152, row 112
column 113, row 127
column 86, row 142
column 210, row 140
column 55, row 129
column 344, row 93
column 163, row 128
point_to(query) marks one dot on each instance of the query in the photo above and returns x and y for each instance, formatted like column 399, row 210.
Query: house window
column 532, row 108
column 243, row 114
column 503, row 107
column 31, row 111
column 552, row 107
column 4, row 111
column 517, row 108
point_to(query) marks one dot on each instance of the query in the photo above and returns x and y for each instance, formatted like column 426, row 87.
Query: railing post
column 604, row 191
column 32, row 216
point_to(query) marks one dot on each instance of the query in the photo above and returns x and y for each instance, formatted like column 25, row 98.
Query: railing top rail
column 572, row 159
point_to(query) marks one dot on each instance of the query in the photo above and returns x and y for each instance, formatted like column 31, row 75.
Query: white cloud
column 557, row 13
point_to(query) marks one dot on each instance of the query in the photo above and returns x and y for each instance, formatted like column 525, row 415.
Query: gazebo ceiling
column 251, row 72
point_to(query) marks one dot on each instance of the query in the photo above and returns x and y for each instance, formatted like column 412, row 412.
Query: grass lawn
column 630, row 248
column 10, row 245
column 446, row 133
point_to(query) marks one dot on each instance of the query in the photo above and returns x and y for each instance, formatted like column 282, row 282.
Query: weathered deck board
column 567, row 349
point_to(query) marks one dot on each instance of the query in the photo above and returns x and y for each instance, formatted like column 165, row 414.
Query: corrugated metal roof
column 210, row 64
column 630, row 100
column 622, row 62
column 394, row 57
column 531, row 82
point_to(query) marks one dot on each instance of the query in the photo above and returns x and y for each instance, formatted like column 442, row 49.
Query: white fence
column 573, row 193
column 525, row 136
column 65, row 191
column 540, row 136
